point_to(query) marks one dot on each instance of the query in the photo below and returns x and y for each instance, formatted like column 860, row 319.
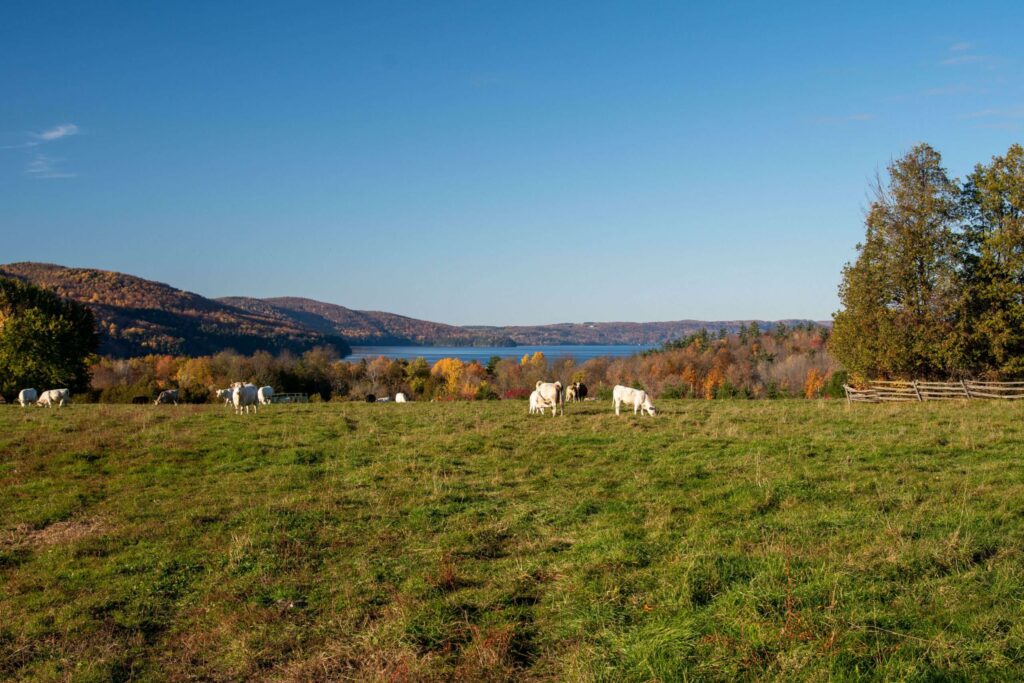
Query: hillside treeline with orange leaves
column 784, row 362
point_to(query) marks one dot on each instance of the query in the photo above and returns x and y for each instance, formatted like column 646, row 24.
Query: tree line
column 937, row 288
column 784, row 362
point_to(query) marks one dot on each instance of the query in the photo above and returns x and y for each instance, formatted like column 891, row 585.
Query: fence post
column 917, row 391
column 967, row 391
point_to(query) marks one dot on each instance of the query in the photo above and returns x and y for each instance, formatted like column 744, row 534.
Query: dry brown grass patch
column 58, row 533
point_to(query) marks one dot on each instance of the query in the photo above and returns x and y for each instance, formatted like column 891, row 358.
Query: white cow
column 265, row 395
column 26, row 396
column 634, row 397
column 243, row 396
column 538, row 405
column 167, row 396
column 224, row 395
column 550, row 394
column 400, row 397
column 58, row 396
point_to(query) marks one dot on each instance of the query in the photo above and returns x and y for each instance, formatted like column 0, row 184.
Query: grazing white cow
column 58, row 396
column 244, row 396
column 265, row 395
column 224, row 395
column 550, row 394
column 634, row 397
column 167, row 396
column 26, row 396
column 400, row 397
column 538, row 405
column 384, row 399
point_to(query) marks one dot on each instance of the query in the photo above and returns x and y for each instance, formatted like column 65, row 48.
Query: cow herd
column 47, row 399
column 243, row 396
column 551, row 395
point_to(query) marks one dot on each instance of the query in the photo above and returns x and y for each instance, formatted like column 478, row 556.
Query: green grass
column 718, row 541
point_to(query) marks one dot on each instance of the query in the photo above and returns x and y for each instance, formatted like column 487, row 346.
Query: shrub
column 517, row 394
column 485, row 392
column 835, row 382
column 675, row 391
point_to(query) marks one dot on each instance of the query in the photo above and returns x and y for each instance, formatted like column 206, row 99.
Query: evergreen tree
column 991, row 322
column 899, row 297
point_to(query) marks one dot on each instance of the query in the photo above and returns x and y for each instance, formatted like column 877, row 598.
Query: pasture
column 788, row 540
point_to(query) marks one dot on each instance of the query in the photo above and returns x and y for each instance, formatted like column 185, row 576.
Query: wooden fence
column 964, row 390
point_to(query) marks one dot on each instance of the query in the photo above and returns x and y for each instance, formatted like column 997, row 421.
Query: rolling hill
column 138, row 316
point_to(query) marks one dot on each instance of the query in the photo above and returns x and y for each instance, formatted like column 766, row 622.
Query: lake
column 580, row 352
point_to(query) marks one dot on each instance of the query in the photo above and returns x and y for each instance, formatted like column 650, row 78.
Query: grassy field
column 721, row 540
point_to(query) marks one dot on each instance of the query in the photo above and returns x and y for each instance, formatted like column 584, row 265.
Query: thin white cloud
column 41, row 165
column 964, row 59
column 44, row 167
column 1000, row 126
column 57, row 132
column 961, row 89
column 22, row 145
column 961, row 46
column 849, row 118
column 996, row 113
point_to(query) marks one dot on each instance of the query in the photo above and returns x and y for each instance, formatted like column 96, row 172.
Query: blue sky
column 484, row 162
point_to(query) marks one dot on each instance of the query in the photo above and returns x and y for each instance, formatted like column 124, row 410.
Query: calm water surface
column 580, row 352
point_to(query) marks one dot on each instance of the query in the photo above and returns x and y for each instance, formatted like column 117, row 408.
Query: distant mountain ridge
column 367, row 327
column 138, row 316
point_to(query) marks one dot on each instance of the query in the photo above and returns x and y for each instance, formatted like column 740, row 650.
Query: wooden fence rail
column 903, row 390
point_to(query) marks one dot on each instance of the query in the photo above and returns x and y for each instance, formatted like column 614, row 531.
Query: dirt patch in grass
column 58, row 533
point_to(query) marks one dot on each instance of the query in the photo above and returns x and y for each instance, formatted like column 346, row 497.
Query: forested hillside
column 135, row 316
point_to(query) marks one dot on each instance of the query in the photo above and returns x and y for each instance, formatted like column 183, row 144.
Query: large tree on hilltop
column 46, row 342
column 899, row 297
